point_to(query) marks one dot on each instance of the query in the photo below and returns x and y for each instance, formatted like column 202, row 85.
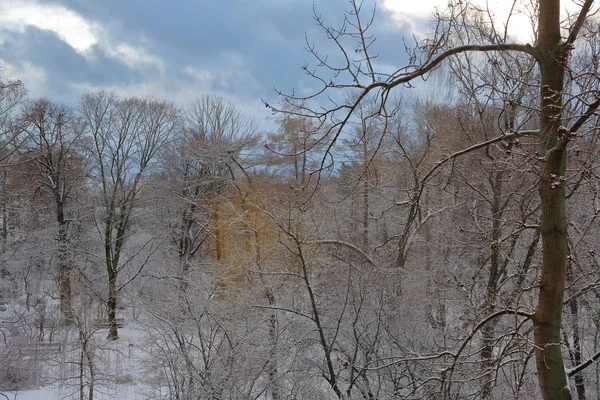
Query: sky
column 180, row 49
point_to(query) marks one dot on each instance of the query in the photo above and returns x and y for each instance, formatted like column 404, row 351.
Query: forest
column 383, row 241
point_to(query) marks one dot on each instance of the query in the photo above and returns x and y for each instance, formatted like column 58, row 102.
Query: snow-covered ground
column 119, row 366
column 55, row 392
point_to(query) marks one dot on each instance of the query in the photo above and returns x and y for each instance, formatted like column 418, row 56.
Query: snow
column 119, row 365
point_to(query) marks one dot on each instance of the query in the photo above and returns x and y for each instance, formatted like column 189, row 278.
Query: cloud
column 33, row 75
column 203, row 77
column 81, row 34
column 177, row 50
column 67, row 25
column 418, row 9
column 133, row 57
column 517, row 16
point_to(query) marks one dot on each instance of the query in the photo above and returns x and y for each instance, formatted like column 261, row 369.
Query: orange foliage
column 244, row 237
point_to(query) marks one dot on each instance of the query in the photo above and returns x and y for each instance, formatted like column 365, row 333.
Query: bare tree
column 12, row 93
column 53, row 136
column 125, row 135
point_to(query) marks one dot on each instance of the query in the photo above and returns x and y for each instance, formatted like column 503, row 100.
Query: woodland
column 380, row 243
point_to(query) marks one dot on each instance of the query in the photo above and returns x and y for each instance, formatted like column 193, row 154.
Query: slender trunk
column 64, row 266
column 365, row 218
column 92, row 375
column 218, row 234
column 188, row 390
column 524, row 268
column 86, row 356
column 575, row 350
column 413, row 213
column 553, row 223
column 273, row 334
column 4, row 233
column 295, row 148
column 112, row 263
column 113, row 333
column 185, row 249
column 272, row 323
column 369, row 394
column 113, row 257
column 436, row 308
column 4, row 227
column 488, row 331
column 81, row 372
column 304, row 161
column 596, row 348
column 330, row 376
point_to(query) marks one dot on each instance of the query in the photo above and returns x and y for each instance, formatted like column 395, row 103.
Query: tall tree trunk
column 4, row 232
column 64, row 266
column 86, row 357
column 553, row 223
column 113, row 333
column 365, row 217
column 185, row 249
column 112, row 255
column 488, row 331
column 218, row 233
column 575, row 350
column 3, row 228
column 273, row 325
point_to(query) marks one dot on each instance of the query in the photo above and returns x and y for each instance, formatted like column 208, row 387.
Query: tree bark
column 552, row 377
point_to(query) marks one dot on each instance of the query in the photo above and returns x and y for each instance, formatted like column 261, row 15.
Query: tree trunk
column 81, row 375
column 66, row 308
column 86, row 356
column 273, row 336
column 64, row 266
column 553, row 223
column 185, row 249
column 218, row 233
column 3, row 228
column 488, row 331
column 365, row 218
column 90, row 361
column 113, row 333
column 575, row 350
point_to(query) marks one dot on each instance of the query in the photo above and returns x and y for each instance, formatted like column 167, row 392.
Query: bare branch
column 573, row 371
column 348, row 245
column 585, row 9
